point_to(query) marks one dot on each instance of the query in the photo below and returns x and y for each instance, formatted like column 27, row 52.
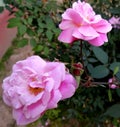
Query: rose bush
column 92, row 66
column 81, row 22
column 36, row 86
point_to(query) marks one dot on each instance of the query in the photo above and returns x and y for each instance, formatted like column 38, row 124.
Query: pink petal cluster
column 35, row 86
column 112, row 84
column 81, row 22
column 115, row 22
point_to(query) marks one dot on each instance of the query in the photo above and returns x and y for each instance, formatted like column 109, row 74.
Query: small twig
column 81, row 56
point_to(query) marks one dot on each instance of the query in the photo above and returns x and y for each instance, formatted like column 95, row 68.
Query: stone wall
column 6, row 34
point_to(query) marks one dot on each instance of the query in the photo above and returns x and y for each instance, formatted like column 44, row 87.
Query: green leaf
column 115, row 10
column 100, row 72
column 46, row 51
column 39, row 48
column 19, row 13
column 30, row 32
column 1, row 9
column 49, row 35
column 116, row 70
column 23, row 42
column 13, row 22
column 118, row 75
column 22, row 29
column 40, row 31
column 113, row 111
column 50, row 24
column 92, row 60
column 8, row 8
column 90, row 67
column 41, row 24
column 100, row 54
column 19, row 1
column 33, row 42
column 30, row 20
column 78, row 78
column 56, row 31
column 114, row 65
column 109, row 95
column 118, row 92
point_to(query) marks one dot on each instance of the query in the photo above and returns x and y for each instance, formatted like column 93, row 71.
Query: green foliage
column 14, row 22
column 115, row 68
column 100, row 71
column 109, row 95
column 106, row 7
column 118, row 92
column 1, row 9
column 23, row 42
column 113, row 111
column 101, row 55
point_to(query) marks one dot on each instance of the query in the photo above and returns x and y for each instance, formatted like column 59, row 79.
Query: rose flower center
column 36, row 90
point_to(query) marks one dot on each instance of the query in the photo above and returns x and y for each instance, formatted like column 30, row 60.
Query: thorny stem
column 97, row 83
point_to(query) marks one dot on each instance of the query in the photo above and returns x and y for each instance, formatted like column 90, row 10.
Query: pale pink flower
column 35, row 86
column 112, row 85
column 115, row 22
column 81, row 22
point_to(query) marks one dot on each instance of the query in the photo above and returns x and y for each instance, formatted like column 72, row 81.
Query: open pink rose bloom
column 81, row 22
column 36, row 86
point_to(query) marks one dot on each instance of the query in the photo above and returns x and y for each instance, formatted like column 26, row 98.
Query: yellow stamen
column 36, row 90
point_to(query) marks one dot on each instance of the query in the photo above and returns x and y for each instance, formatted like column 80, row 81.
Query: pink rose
column 115, row 22
column 35, row 86
column 81, row 22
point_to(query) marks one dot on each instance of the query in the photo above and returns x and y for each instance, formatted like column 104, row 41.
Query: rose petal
column 55, row 98
column 88, row 31
column 32, row 62
column 99, row 40
column 21, row 119
column 65, row 24
column 68, row 87
column 102, row 26
column 66, row 36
